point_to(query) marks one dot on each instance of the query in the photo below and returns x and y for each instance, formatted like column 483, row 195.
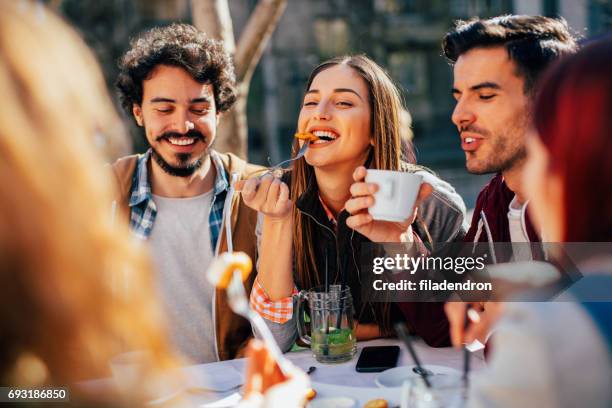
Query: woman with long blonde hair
column 74, row 286
column 312, row 225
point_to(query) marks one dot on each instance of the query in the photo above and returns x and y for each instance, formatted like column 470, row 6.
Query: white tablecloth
column 332, row 379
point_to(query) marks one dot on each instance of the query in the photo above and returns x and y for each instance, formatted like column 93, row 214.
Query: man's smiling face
column 491, row 113
column 179, row 117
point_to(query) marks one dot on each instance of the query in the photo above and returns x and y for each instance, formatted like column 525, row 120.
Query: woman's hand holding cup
column 363, row 198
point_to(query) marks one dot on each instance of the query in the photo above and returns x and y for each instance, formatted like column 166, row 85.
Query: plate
column 333, row 402
column 360, row 394
column 395, row 377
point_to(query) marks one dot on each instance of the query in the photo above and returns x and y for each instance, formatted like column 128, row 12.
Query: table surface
column 331, row 380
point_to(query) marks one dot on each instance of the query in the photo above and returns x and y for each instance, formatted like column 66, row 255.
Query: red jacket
column 494, row 200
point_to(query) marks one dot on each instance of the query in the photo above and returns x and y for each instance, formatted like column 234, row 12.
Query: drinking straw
column 342, row 286
column 402, row 333
column 326, row 299
column 326, row 277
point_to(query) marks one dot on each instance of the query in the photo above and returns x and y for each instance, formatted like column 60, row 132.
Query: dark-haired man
column 176, row 82
column 497, row 63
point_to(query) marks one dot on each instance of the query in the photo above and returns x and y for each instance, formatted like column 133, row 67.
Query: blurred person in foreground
column 556, row 354
column 176, row 83
column 497, row 64
column 74, row 288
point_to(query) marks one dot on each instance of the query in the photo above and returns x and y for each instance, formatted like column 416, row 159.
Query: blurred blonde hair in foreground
column 74, row 288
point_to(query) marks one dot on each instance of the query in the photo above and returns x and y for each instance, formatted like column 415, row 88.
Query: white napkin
column 210, row 377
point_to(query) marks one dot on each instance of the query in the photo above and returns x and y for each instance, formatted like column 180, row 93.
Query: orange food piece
column 307, row 137
column 376, row 403
column 222, row 268
column 310, row 394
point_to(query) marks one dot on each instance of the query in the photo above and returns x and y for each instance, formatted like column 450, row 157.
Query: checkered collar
column 141, row 188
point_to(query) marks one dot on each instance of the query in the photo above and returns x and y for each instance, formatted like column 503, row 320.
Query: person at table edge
column 176, row 83
column 497, row 64
column 353, row 101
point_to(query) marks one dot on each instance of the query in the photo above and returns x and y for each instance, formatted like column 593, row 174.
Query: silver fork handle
column 281, row 164
column 264, row 331
column 240, row 304
column 299, row 155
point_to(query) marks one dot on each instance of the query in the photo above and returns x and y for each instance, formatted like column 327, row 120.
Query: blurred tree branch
column 213, row 17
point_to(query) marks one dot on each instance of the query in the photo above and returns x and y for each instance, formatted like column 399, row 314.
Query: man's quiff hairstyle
column 532, row 42
column 180, row 45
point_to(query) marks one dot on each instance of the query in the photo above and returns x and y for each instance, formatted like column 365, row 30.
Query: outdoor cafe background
column 402, row 35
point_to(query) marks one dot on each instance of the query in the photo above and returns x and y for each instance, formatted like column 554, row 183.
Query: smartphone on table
column 377, row 358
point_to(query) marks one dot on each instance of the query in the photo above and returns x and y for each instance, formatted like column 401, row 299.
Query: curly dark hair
column 532, row 42
column 180, row 45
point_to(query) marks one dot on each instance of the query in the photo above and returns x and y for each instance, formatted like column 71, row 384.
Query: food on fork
column 311, row 394
column 306, row 136
column 222, row 269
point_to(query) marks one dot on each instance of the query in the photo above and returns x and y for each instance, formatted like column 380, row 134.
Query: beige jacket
column 231, row 331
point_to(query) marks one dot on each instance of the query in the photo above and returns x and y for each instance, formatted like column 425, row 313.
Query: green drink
column 331, row 339
column 335, row 346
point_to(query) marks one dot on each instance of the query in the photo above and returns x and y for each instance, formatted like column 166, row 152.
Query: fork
column 239, row 303
column 236, row 295
column 280, row 166
column 204, row 390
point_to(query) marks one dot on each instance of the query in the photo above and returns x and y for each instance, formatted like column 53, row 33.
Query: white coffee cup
column 396, row 195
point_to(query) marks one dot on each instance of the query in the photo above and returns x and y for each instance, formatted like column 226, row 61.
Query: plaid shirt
column 143, row 209
column 280, row 311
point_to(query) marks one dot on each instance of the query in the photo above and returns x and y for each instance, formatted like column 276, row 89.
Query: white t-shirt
column 182, row 251
column 515, row 220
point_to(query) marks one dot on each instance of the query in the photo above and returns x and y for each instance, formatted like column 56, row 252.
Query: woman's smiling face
column 336, row 108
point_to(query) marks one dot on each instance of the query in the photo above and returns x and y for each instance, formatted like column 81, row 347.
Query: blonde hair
column 386, row 106
column 63, row 259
